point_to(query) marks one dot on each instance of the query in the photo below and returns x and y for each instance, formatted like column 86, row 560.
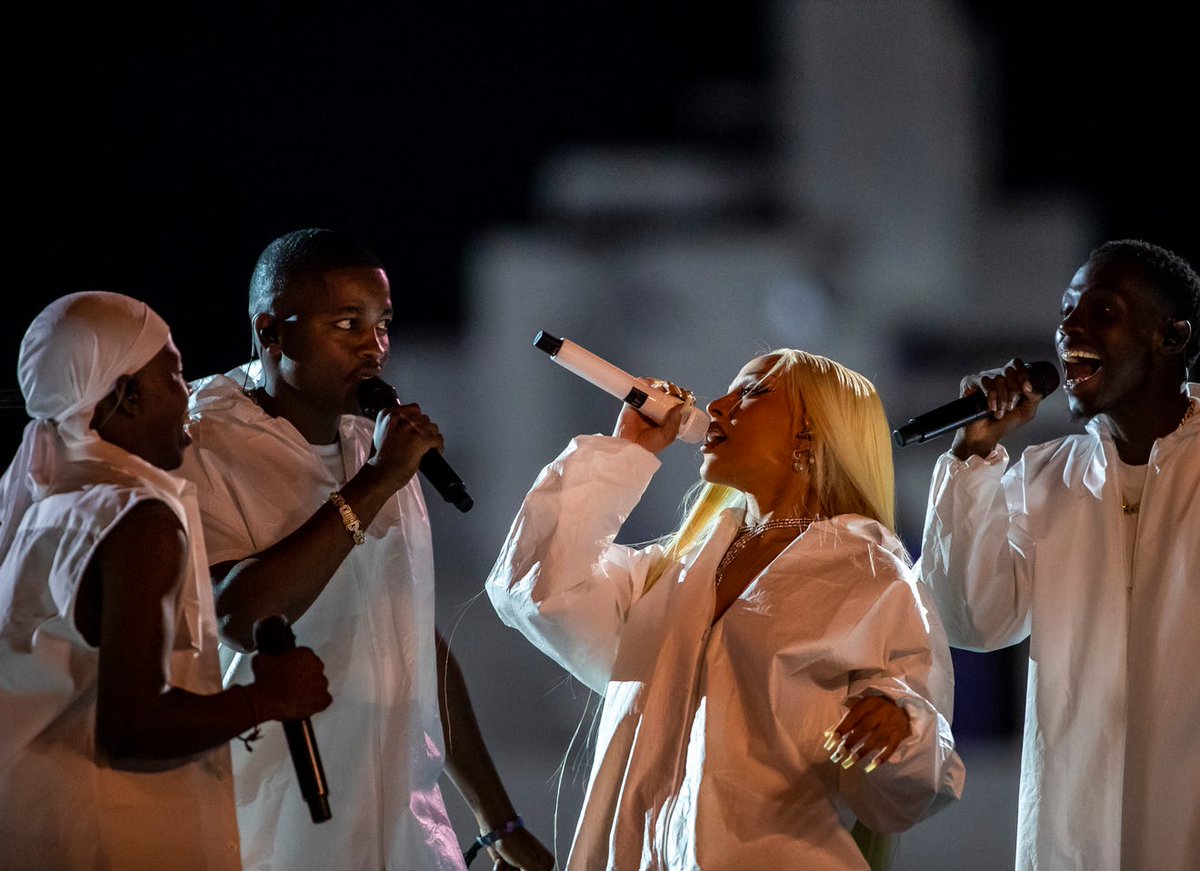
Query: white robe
column 373, row 626
column 61, row 805
column 1110, row 771
column 709, row 750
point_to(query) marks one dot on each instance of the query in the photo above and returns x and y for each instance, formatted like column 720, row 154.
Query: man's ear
column 1176, row 336
column 266, row 330
column 125, row 398
column 131, row 395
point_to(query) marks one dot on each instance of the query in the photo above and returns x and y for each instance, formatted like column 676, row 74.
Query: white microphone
column 617, row 382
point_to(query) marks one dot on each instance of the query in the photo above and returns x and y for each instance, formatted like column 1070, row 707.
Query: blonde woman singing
column 770, row 673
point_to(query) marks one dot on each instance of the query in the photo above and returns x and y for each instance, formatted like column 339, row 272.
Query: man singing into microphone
column 314, row 512
column 1090, row 546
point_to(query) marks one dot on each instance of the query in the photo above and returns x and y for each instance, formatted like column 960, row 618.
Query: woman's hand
column 874, row 727
column 634, row 426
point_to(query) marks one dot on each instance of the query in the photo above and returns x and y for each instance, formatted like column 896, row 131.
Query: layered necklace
column 748, row 532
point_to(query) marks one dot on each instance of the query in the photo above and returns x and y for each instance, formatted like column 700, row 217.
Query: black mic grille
column 374, row 395
column 1043, row 377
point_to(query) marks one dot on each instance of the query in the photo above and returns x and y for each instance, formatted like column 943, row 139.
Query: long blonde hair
column 851, row 460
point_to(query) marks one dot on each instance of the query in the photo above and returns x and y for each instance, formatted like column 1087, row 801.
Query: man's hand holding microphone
column 1012, row 402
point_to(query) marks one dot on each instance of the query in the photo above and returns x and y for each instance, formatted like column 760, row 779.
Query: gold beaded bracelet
column 349, row 518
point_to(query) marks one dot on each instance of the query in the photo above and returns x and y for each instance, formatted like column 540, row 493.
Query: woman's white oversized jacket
column 709, row 752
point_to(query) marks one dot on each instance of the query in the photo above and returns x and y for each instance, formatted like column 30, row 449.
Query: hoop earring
column 798, row 454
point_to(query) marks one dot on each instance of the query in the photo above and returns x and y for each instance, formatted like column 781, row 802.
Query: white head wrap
column 70, row 359
column 76, row 349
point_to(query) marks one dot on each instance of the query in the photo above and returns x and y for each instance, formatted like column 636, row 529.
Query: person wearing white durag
column 113, row 748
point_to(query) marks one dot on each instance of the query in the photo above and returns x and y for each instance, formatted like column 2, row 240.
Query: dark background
column 156, row 153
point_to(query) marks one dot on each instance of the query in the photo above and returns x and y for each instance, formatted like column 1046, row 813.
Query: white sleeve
column 559, row 578
column 974, row 555
column 902, row 655
column 227, row 534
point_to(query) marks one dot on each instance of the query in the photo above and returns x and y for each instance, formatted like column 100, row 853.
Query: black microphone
column 1043, row 377
column 375, row 394
column 273, row 636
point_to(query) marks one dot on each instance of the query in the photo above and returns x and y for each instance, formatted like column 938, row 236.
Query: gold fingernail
column 830, row 743
column 850, row 760
column 871, row 766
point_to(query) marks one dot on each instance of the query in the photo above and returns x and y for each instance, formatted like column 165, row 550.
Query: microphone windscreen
column 1043, row 377
column 273, row 635
column 374, row 395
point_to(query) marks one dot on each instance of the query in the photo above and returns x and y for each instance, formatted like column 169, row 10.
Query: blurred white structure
column 892, row 252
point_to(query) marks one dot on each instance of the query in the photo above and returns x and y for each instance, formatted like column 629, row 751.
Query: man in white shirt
column 1090, row 546
column 311, row 510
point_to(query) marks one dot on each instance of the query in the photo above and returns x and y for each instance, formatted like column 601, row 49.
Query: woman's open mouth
column 712, row 438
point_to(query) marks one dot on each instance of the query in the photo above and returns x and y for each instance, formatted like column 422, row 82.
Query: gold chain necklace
column 1191, row 409
column 1128, row 507
column 749, row 532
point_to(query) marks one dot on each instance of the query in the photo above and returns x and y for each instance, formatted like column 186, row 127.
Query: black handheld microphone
column 273, row 636
column 375, row 394
column 1043, row 376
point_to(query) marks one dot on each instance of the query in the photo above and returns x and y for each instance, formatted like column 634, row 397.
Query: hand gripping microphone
column 273, row 636
column 1043, row 377
column 616, row 382
column 375, row 394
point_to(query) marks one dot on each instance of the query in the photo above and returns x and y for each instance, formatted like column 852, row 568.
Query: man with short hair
column 314, row 511
column 1090, row 546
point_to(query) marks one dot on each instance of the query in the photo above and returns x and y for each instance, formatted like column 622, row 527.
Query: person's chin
column 1084, row 399
column 168, row 456
column 710, row 473
column 167, row 461
column 174, row 460
column 1083, row 407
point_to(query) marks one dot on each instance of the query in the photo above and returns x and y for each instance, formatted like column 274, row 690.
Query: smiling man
column 1090, row 546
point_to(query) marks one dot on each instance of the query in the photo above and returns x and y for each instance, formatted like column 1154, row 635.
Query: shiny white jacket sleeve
column 913, row 670
column 559, row 578
column 975, row 554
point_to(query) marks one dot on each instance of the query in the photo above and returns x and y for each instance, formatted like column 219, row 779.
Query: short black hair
column 302, row 255
column 1173, row 277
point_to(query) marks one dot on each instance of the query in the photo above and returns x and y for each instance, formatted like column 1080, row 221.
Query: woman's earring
column 798, row 454
column 798, row 464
